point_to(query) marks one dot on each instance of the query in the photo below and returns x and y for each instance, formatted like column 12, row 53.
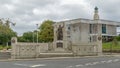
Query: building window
column 90, row 28
column 104, row 28
column 93, row 28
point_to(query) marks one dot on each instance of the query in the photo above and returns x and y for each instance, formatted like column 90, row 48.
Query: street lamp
column 33, row 36
column 37, row 32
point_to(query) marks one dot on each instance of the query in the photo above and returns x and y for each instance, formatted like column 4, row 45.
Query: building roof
column 82, row 20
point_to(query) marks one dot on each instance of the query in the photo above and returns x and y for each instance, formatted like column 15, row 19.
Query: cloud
column 27, row 13
column 107, row 9
column 9, row 7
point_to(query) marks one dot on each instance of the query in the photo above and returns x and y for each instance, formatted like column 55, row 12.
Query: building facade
column 83, row 36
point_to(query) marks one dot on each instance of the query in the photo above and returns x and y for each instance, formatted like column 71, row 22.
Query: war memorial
column 76, row 37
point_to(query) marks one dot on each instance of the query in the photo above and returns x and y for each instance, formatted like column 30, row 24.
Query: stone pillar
column 99, row 32
column 13, row 43
column 99, row 39
column 55, row 37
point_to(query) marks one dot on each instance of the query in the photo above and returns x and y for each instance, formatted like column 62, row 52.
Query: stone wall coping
column 84, row 44
column 21, row 43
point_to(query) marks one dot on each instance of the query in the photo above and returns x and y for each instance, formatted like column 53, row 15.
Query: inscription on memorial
column 59, row 45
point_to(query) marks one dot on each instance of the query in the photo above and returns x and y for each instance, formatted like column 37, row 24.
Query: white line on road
column 38, row 65
column 79, row 65
column 109, row 61
column 103, row 61
column 88, row 64
column 115, row 60
column 28, row 65
column 94, row 63
column 20, row 64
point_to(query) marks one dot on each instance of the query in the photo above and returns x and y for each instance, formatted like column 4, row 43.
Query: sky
column 27, row 13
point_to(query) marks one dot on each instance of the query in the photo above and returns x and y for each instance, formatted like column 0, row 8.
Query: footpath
column 6, row 56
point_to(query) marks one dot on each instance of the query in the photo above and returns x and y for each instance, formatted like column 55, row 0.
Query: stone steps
column 58, row 52
column 44, row 55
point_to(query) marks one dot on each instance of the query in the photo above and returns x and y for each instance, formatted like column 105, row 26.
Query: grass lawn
column 4, row 47
column 109, row 45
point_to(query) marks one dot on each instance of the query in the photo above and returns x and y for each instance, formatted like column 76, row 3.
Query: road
column 86, row 62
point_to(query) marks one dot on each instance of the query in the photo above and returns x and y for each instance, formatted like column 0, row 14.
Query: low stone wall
column 28, row 50
column 36, row 50
column 84, row 49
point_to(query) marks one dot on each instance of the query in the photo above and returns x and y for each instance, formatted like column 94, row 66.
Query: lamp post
column 33, row 36
column 37, row 32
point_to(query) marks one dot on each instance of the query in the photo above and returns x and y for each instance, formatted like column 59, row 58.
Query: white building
column 83, row 36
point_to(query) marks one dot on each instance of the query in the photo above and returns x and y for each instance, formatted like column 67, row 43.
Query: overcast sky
column 28, row 13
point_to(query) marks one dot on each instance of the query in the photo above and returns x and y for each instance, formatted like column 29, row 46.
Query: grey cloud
column 76, row 11
column 26, row 19
column 5, row 1
column 108, row 9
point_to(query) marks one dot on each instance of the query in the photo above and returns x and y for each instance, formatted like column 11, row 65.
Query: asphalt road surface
column 88, row 62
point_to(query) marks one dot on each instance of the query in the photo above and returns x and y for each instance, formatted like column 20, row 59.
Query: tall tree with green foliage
column 46, row 31
column 6, row 33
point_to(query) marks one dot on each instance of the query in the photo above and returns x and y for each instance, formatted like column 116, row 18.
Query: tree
column 27, row 37
column 46, row 31
column 6, row 33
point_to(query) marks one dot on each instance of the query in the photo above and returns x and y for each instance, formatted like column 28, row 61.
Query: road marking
column 109, row 61
column 79, row 65
column 88, row 64
column 38, row 65
column 94, row 63
column 21, row 64
column 115, row 60
column 103, row 61
column 28, row 65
